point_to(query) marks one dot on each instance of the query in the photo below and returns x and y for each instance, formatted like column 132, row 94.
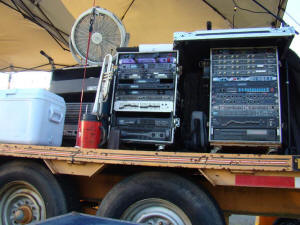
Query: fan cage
column 77, row 54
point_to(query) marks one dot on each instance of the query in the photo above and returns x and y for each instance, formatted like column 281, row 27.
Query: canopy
column 29, row 26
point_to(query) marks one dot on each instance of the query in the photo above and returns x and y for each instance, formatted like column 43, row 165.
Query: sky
column 292, row 9
column 42, row 79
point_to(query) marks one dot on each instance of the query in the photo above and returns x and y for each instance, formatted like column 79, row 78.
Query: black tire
column 70, row 189
column 26, row 185
column 286, row 221
column 160, row 189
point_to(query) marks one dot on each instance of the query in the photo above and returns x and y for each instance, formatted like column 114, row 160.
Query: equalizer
column 244, row 96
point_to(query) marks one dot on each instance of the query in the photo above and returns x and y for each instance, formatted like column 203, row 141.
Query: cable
column 35, row 67
column 247, row 10
column 269, row 12
column 23, row 68
column 92, row 19
column 17, row 7
column 44, row 14
column 36, row 18
column 27, row 14
column 276, row 17
column 217, row 11
column 8, row 5
column 233, row 17
column 289, row 131
column 29, row 18
column 127, row 10
column 292, row 18
column 279, row 9
column 4, row 68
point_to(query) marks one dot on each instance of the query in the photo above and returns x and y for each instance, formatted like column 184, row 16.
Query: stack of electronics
column 144, row 99
column 244, row 104
column 233, row 77
column 68, row 84
column 245, row 100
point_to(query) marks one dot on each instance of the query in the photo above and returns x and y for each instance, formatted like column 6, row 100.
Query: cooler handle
column 55, row 116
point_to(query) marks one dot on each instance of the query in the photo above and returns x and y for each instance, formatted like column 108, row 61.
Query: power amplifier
column 144, row 99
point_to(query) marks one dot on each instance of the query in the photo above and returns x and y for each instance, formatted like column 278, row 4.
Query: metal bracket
column 296, row 163
column 176, row 122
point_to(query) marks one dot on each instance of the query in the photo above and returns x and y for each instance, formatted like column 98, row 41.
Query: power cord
column 244, row 9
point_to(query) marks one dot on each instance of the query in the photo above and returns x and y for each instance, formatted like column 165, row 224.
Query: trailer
column 38, row 182
column 165, row 163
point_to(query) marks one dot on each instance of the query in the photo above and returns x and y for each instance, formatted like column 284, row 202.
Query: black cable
column 216, row 10
column 244, row 9
column 279, row 9
column 49, row 23
column 23, row 68
column 57, row 41
column 28, row 15
column 288, row 108
column 25, row 8
column 292, row 18
column 64, row 65
column 4, row 68
column 52, row 25
column 35, row 18
column 127, row 10
column 35, row 67
column 44, row 14
column 17, row 8
column 8, row 5
column 92, row 20
column 31, row 17
column 233, row 17
column 32, row 68
column 276, row 17
column 269, row 11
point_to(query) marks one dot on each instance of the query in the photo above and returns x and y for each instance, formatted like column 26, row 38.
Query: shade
column 46, row 24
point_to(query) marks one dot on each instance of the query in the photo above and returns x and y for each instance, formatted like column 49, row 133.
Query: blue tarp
column 81, row 219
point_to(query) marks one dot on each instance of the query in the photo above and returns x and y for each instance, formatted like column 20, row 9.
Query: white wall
column 33, row 79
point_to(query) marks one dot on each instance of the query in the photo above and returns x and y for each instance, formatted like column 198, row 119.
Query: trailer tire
column 160, row 198
column 28, row 193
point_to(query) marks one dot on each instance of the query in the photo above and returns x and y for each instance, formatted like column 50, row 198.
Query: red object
column 265, row 181
column 84, row 75
column 91, row 132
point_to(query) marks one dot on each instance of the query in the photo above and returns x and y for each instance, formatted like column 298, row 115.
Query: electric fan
column 108, row 34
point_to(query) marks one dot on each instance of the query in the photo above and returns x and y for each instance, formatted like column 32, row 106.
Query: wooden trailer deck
column 240, row 183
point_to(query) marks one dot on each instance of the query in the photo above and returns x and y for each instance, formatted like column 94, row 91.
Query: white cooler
column 31, row 116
